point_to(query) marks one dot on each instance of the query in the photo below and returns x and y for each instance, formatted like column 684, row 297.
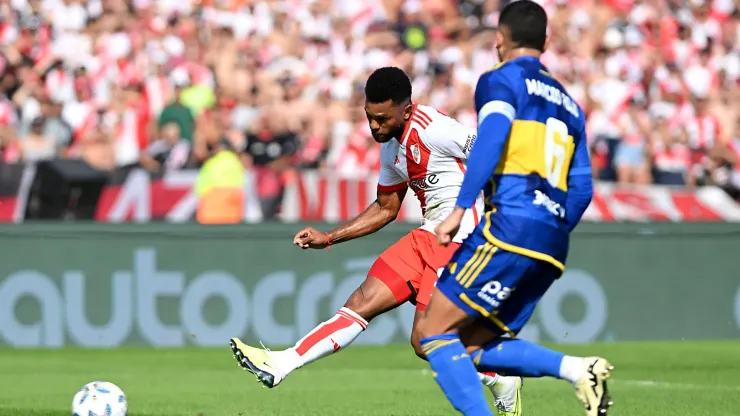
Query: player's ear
column 547, row 44
column 407, row 111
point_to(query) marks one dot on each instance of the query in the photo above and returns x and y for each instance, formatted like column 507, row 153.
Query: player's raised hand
column 310, row 237
column 446, row 230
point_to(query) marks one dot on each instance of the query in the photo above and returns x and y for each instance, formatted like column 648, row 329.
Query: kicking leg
column 392, row 280
column 369, row 300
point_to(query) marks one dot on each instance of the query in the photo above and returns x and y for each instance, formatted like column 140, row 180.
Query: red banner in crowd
column 137, row 196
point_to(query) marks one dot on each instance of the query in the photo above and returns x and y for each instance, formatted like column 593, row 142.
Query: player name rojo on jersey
column 551, row 94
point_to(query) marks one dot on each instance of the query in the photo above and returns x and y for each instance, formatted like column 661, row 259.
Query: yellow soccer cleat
column 258, row 362
column 508, row 394
column 591, row 388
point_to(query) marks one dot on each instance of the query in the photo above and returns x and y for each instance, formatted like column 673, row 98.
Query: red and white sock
column 488, row 378
column 327, row 338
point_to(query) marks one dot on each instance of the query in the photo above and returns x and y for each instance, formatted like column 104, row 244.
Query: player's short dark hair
column 388, row 83
column 526, row 22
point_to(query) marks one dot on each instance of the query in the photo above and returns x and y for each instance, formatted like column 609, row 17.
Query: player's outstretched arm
column 380, row 213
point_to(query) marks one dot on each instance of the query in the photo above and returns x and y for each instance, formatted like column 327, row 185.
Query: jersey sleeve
column 495, row 102
column 389, row 180
column 455, row 140
column 494, row 95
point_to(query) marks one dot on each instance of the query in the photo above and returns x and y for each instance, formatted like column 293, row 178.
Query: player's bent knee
column 361, row 304
column 371, row 299
column 416, row 344
column 421, row 330
column 441, row 317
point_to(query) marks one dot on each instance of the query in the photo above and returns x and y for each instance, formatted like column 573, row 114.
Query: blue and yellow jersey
column 526, row 197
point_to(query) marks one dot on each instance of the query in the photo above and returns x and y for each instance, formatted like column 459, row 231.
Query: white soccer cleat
column 507, row 393
column 258, row 362
column 591, row 388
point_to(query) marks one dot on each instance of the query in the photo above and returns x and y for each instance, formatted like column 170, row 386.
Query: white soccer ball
column 99, row 398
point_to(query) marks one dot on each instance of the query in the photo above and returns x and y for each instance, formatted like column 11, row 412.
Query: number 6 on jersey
column 558, row 145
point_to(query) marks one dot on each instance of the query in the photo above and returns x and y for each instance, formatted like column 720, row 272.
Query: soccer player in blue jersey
column 532, row 162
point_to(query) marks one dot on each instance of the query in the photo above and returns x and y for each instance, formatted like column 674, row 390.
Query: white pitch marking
column 425, row 372
column 671, row 385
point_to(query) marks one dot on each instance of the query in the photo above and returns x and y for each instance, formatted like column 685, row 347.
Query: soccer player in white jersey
column 426, row 151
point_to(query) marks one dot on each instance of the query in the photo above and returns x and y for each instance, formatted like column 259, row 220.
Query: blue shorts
column 500, row 287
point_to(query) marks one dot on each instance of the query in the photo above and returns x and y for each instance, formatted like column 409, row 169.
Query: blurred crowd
column 160, row 83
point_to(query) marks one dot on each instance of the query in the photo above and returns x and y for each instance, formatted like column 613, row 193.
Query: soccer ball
column 99, row 398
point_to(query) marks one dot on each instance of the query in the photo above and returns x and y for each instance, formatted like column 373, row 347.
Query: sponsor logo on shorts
column 493, row 293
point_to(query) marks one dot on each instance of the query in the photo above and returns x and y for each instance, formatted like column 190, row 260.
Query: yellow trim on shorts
column 484, row 254
column 472, row 260
column 481, row 310
column 474, row 275
column 501, row 325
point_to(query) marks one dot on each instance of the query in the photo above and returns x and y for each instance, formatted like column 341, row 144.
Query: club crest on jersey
column 416, row 153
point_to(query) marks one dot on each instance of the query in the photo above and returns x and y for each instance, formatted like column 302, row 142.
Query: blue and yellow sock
column 517, row 357
column 456, row 374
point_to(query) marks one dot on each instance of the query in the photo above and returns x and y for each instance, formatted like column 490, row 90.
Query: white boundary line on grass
column 671, row 385
column 615, row 380
column 659, row 384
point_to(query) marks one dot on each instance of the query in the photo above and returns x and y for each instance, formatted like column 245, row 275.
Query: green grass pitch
column 651, row 379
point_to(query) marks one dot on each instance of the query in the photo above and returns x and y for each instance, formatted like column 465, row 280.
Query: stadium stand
column 158, row 84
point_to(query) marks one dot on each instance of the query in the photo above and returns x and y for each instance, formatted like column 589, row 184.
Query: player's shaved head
column 522, row 25
column 388, row 103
